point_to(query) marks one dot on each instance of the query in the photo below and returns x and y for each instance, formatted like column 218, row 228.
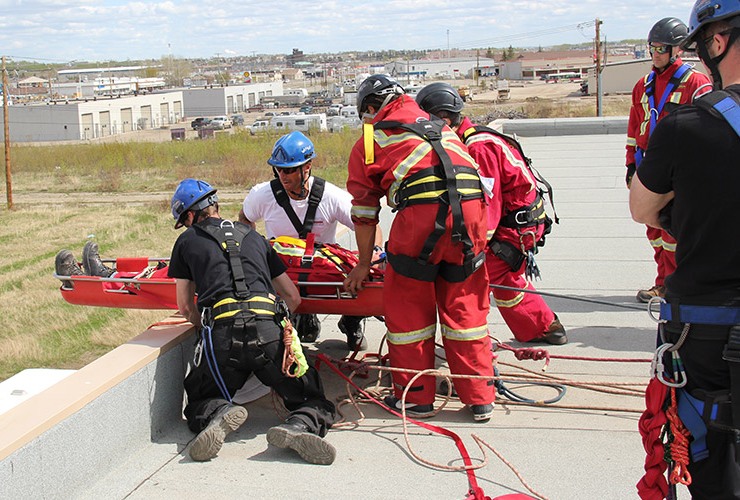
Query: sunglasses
column 663, row 49
column 290, row 170
column 709, row 40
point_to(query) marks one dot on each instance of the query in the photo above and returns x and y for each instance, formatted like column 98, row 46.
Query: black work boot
column 209, row 441
column 307, row 326
column 354, row 328
column 295, row 435
column 66, row 265
column 91, row 262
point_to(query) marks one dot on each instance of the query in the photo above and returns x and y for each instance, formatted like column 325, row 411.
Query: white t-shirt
column 335, row 205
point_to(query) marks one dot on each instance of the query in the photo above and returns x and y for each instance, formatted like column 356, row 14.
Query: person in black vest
column 687, row 184
column 235, row 274
column 296, row 203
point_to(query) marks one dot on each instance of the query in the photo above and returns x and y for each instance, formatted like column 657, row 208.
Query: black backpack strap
column 722, row 104
column 282, row 199
column 314, row 198
column 229, row 236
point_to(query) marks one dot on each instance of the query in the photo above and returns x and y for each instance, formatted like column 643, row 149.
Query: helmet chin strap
column 713, row 62
column 304, row 186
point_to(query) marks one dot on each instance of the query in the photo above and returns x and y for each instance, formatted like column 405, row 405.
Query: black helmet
column 668, row 31
column 439, row 96
column 376, row 85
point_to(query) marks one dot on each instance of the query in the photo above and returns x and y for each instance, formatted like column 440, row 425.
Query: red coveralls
column 638, row 134
column 411, row 305
column 526, row 314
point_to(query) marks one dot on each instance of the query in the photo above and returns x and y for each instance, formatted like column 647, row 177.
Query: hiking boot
column 354, row 328
column 294, row 434
column 555, row 334
column 482, row 413
column 225, row 420
column 412, row 409
column 307, row 326
column 91, row 262
column 66, row 265
column 646, row 295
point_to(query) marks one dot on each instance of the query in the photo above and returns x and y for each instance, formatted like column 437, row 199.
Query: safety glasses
column 289, row 170
column 663, row 49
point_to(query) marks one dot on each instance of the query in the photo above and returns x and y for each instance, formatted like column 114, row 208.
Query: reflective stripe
column 675, row 98
column 511, row 302
column 669, row 247
column 490, row 233
column 262, row 312
column 475, row 333
column 631, row 141
column 504, row 146
column 364, row 212
column 367, row 141
column 404, row 338
column 657, row 243
column 251, row 300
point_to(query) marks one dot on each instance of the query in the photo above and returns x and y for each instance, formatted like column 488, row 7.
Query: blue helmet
column 709, row 11
column 191, row 194
column 292, row 150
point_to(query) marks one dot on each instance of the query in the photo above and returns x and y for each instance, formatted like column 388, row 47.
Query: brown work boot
column 66, row 265
column 555, row 334
column 209, row 441
column 295, row 435
column 646, row 295
column 91, row 262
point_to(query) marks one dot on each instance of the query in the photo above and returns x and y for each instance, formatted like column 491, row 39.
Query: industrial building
column 456, row 67
column 620, row 77
column 91, row 118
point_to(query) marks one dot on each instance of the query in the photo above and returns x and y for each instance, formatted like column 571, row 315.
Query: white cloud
column 120, row 29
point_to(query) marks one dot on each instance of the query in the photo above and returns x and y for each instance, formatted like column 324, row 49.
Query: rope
column 289, row 357
column 568, row 297
column 679, row 444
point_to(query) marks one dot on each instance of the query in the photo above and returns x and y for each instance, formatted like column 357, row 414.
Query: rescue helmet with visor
column 191, row 194
column 706, row 12
column 377, row 88
column 439, row 96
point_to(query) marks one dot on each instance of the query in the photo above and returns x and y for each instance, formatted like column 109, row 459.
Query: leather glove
column 631, row 169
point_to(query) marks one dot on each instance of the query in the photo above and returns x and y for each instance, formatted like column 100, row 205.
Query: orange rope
column 288, row 355
column 679, row 445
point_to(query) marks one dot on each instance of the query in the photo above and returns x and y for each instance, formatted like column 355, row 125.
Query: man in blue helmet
column 687, row 183
column 295, row 204
column 235, row 273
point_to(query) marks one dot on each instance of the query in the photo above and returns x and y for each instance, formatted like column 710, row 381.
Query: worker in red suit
column 516, row 217
column 670, row 84
column 435, row 247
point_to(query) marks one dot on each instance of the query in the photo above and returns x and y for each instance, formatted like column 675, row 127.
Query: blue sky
column 94, row 30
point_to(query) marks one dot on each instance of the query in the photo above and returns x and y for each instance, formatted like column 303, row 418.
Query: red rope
column 679, row 445
column 653, row 485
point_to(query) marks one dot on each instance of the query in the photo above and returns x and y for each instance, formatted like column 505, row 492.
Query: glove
column 631, row 169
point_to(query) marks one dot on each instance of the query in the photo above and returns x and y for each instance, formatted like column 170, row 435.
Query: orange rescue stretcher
column 142, row 282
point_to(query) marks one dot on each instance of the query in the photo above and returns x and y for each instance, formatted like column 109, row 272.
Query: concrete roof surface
column 586, row 449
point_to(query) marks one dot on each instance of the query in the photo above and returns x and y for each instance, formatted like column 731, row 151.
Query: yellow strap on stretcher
column 368, row 140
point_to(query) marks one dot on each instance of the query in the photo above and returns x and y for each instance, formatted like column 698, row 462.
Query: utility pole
column 598, row 67
column 6, row 130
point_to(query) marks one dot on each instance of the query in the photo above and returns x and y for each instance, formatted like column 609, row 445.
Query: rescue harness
column 446, row 185
column 655, row 111
column 314, row 198
column 718, row 410
column 242, row 310
column 525, row 218
column 723, row 104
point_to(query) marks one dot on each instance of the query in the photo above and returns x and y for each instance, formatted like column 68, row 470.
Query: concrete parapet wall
column 539, row 127
column 55, row 444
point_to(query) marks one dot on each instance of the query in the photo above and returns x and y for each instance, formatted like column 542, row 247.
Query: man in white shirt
column 296, row 203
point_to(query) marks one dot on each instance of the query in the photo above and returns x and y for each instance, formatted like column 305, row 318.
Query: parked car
column 237, row 120
column 220, row 122
column 259, row 126
column 256, row 107
column 200, row 123
column 305, row 110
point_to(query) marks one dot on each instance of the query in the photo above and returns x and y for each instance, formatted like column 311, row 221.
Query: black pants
column 303, row 397
column 717, row 477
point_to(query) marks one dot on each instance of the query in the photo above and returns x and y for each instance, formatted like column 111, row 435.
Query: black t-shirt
column 697, row 156
column 197, row 257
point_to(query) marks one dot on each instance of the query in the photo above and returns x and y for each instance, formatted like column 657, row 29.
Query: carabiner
column 651, row 311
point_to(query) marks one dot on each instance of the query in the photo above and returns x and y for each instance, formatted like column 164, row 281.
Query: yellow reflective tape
column 467, row 335
column 631, row 141
column 403, row 338
column 368, row 142
column 657, row 242
column 263, row 312
column 364, row 212
column 510, row 303
column 669, row 247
